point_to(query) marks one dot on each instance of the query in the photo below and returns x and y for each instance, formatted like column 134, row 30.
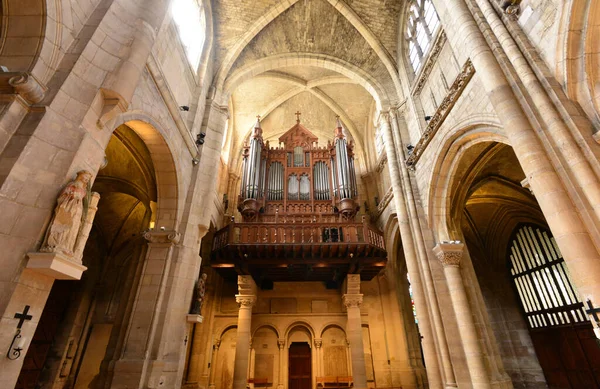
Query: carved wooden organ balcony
column 298, row 203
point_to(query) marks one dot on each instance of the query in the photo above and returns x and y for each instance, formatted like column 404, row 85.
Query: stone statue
column 69, row 215
column 200, row 291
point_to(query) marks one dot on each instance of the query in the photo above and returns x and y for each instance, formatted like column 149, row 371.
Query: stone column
column 319, row 356
column 352, row 300
column 252, row 361
column 429, row 284
column 412, row 262
column 213, row 364
column 450, row 254
column 246, row 298
column 281, row 344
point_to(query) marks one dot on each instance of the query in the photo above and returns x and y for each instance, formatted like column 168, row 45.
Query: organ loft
column 298, row 255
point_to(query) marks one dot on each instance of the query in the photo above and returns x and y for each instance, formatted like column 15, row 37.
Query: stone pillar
column 281, row 344
column 213, row 364
column 412, row 262
column 450, row 254
column 429, row 284
column 352, row 300
column 246, row 298
column 252, row 361
column 319, row 356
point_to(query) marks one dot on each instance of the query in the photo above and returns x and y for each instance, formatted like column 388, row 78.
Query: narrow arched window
column 542, row 280
column 190, row 20
column 421, row 25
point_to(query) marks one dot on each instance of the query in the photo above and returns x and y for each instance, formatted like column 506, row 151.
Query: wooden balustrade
column 257, row 233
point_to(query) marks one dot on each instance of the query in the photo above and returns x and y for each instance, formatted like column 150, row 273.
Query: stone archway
column 487, row 200
column 138, row 189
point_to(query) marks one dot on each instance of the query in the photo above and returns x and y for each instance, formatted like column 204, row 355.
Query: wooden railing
column 297, row 233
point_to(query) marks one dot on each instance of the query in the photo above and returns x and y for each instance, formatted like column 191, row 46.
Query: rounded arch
column 270, row 326
column 578, row 54
column 444, row 178
column 331, row 324
column 299, row 324
column 219, row 332
column 169, row 191
column 278, row 61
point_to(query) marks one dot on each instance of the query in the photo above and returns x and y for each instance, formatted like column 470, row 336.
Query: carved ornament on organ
column 299, row 178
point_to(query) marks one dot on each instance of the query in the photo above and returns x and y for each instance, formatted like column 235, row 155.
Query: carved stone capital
column 165, row 237
column 352, row 300
column 28, row 87
column 245, row 301
column 281, row 343
column 449, row 254
column 217, row 344
column 318, row 343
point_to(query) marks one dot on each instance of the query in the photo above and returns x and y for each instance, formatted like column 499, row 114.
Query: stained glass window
column 412, row 300
column 190, row 20
column 421, row 24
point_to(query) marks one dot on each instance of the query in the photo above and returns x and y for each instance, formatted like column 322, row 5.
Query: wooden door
column 300, row 366
column 569, row 356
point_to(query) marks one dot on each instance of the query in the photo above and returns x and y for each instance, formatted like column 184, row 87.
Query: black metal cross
column 23, row 316
column 592, row 311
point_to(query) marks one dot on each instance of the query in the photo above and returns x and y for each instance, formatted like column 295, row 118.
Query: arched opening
column 79, row 343
column 225, row 359
column 538, row 336
column 300, row 358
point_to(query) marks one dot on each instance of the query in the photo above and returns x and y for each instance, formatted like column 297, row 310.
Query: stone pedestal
column 352, row 300
column 193, row 318
column 450, row 255
column 56, row 265
column 246, row 298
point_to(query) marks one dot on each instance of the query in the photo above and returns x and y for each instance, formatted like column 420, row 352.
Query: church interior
column 299, row 194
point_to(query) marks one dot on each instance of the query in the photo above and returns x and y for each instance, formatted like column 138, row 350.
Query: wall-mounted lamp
column 184, row 108
column 427, row 118
column 18, row 343
column 195, row 161
column 200, row 138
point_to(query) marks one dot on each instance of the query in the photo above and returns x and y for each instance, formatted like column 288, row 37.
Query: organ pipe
column 254, row 166
column 346, row 178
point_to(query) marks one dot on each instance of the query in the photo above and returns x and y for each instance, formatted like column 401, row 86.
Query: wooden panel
column 264, row 367
column 300, row 376
column 335, row 360
column 569, row 356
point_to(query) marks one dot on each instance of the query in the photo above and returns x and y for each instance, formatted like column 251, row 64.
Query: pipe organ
column 299, row 178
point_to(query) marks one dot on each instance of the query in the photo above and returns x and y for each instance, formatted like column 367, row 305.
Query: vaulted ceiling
column 324, row 58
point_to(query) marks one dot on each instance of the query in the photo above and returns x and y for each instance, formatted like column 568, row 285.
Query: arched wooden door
column 300, row 374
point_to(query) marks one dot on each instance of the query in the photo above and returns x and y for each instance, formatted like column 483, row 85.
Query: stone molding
column 387, row 198
column 381, row 161
column 352, row 300
column 164, row 237
column 455, row 91
column 449, row 254
column 246, row 286
column 352, row 284
column 245, row 301
column 423, row 75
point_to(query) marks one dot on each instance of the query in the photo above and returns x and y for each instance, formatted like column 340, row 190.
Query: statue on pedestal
column 200, row 291
column 69, row 216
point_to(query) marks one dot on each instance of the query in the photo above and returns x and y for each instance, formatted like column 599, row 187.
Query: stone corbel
column 111, row 105
column 25, row 85
column 352, row 300
column 449, row 253
column 162, row 236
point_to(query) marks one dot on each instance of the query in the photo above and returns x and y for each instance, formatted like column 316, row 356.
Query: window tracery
column 421, row 26
column 190, row 19
column 542, row 280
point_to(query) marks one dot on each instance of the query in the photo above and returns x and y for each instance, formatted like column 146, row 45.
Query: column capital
column 352, row 300
column 318, row 343
column 217, row 343
column 281, row 343
column 162, row 236
column 245, row 301
column 449, row 253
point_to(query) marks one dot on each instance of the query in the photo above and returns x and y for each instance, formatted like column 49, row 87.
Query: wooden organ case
column 298, row 204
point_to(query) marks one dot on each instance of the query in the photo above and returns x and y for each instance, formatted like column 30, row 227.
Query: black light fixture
column 200, row 138
column 427, row 118
column 184, row 108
